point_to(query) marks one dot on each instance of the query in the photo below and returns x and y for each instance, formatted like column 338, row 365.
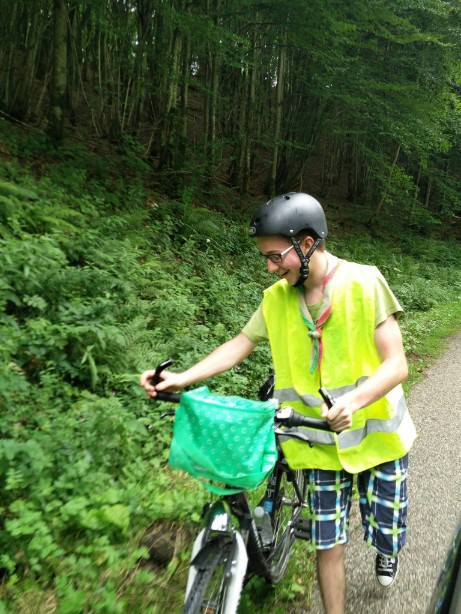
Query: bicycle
column 236, row 542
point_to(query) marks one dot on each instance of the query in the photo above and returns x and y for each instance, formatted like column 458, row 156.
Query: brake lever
column 165, row 414
column 326, row 396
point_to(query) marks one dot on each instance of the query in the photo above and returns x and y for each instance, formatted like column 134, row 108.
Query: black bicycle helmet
column 287, row 215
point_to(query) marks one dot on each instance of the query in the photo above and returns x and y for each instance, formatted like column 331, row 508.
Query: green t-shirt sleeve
column 255, row 329
column 386, row 302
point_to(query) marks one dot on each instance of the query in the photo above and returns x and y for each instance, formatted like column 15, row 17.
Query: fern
column 17, row 192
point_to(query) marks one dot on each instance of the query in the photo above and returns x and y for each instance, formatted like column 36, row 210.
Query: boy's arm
column 392, row 371
column 221, row 359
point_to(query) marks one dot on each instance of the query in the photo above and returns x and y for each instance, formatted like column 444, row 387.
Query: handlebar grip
column 288, row 417
column 167, row 396
column 155, row 379
column 313, row 423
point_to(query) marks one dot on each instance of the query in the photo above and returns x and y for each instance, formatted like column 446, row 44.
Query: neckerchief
column 315, row 329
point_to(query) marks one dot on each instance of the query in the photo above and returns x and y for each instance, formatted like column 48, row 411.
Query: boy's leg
column 332, row 578
column 383, row 505
column 329, row 499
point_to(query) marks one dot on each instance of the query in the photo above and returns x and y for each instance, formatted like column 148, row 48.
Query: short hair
column 308, row 232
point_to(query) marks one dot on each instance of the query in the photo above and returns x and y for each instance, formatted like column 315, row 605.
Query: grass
column 291, row 594
column 438, row 325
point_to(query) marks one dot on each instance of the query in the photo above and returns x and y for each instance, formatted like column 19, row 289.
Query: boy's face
column 289, row 267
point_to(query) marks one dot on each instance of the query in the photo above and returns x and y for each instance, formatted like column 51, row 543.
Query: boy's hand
column 339, row 416
column 170, row 382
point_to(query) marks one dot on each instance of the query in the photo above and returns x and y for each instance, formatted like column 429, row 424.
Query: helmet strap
column 304, row 259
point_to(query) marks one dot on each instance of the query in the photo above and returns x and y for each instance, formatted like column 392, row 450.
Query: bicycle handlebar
column 172, row 397
column 286, row 415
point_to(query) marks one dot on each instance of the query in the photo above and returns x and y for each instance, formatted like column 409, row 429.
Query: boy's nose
column 272, row 266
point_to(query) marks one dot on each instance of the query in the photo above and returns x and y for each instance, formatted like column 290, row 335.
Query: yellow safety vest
column 381, row 432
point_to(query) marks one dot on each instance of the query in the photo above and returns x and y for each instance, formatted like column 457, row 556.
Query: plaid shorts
column 383, row 506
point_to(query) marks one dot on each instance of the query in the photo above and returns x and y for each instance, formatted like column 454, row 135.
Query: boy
column 329, row 323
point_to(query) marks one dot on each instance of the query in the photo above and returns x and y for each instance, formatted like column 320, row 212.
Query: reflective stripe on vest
column 285, row 395
column 349, row 438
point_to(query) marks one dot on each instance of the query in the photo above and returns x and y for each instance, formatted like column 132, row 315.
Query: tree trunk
column 428, row 192
column 23, row 93
column 11, row 14
column 57, row 111
column 278, row 116
column 214, row 65
column 186, row 63
column 167, row 153
column 145, row 17
column 384, row 194
column 250, row 103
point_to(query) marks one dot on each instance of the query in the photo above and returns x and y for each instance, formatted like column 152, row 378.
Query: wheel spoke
column 288, row 507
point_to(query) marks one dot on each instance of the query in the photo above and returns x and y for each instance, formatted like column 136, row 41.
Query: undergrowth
column 103, row 278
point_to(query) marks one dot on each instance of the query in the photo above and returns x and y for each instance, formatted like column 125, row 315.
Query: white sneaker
column 386, row 570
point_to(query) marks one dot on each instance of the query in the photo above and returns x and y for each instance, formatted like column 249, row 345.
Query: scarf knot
column 315, row 330
column 315, row 333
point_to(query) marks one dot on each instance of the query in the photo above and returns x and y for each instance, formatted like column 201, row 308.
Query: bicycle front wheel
column 218, row 581
column 289, row 498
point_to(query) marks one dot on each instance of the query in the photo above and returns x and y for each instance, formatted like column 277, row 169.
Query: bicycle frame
column 229, row 519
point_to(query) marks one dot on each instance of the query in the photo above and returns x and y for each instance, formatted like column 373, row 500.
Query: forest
column 358, row 100
column 136, row 138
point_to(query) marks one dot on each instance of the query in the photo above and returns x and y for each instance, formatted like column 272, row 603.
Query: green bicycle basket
column 223, row 439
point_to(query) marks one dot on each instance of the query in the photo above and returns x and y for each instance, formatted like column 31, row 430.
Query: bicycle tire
column 287, row 509
column 212, row 592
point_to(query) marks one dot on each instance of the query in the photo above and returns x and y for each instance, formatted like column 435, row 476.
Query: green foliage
column 102, row 279
column 89, row 297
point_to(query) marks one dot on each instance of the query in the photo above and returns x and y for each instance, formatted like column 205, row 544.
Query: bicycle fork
column 219, row 529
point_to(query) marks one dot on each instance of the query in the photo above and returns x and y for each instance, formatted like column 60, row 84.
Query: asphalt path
column 434, row 488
